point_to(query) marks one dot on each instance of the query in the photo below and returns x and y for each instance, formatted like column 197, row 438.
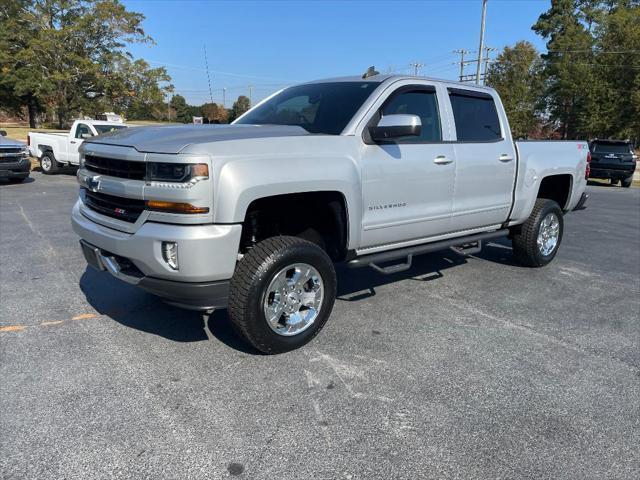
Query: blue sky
column 271, row 44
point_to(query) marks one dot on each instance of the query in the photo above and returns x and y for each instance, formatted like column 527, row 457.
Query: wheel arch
column 557, row 187
column 296, row 214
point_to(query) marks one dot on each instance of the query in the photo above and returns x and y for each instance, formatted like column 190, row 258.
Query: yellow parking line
column 84, row 316
column 12, row 328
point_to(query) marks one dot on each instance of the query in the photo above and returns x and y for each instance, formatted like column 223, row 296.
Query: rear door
column 485, row 160
column 407, row 183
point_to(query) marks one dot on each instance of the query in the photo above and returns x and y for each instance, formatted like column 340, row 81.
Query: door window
column 422, row 103
column 82, row 131
column 476, row 116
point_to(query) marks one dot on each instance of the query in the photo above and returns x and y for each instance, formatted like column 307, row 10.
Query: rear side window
column 475, row 115
column 422, row 103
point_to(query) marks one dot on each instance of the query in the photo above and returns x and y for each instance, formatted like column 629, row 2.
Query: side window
column 422, row 103
column 476, row 117
column 83, row 129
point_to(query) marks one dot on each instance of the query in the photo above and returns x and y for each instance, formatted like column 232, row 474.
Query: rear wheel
column 626, row 182
column 536, row 242
column 48, row 163
column 282, row 293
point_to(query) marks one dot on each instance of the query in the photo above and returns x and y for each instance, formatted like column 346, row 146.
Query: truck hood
column 173, row 139
column 10, row 143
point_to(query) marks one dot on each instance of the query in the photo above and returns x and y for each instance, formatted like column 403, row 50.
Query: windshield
column 108, row 128
column 606, row 147
column 317, row 107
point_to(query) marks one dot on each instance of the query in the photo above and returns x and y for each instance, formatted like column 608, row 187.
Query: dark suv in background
column 14, row 159
column 613, row 159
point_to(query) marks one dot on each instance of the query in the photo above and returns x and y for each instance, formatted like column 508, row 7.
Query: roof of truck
column 382, row 77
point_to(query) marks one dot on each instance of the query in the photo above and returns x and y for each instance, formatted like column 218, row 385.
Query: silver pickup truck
column 364, row 171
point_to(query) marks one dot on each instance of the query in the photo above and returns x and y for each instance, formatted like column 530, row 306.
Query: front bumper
column 18, row 169
column 207, row 257
column 194, row 295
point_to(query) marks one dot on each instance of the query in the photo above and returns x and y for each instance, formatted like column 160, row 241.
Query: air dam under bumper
column 206, row 254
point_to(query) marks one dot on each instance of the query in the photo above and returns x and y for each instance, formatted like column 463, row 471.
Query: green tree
column 516, row 75
column 70, row 55
column 241, row 105
column 215, row 113
column 568, row 74
column 617, row 66
column 182, row 111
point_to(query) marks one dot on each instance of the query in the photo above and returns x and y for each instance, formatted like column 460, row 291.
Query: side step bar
column 459, row 244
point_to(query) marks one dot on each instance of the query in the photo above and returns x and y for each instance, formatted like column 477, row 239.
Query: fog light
column 170, row 254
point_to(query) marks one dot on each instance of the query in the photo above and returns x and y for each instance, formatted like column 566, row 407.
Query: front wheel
column 536, row 241
column 626, row 182
column 282, row 293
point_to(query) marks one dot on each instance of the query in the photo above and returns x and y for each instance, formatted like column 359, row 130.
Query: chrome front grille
column 126, row 209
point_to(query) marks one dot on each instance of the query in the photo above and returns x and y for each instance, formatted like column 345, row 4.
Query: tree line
column 179, row 111
column 586, row 85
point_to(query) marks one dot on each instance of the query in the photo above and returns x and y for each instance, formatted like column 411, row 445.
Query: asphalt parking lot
column 459, row 368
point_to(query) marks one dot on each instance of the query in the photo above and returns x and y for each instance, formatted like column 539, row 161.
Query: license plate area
column 91, row 255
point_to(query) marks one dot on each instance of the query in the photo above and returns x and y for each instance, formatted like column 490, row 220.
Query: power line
column 462, row 51
column 416, row 67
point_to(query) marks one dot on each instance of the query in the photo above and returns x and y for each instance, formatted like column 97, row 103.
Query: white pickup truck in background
column 55, row 150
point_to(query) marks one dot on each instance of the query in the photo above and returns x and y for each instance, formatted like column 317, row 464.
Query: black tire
column 48, row 163
column 525, row 236
column 626, row 182
column 614, row 181
column 250, row 283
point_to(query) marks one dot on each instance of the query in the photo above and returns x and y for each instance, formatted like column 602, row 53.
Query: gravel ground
column 459, row 368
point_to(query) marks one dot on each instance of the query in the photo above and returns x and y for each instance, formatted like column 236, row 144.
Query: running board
column 460, row 245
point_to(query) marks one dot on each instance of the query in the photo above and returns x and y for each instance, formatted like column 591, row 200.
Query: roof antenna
column 371, row 71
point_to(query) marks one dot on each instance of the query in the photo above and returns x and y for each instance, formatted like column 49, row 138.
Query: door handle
column 505, row 157
column 442, row 160
column 72, row 141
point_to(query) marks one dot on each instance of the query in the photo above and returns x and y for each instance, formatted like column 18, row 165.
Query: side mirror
column 3, row 133
column 85, row 135
column 394, row 126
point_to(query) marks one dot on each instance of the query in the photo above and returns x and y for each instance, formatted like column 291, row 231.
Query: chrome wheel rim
column 45, row 163
column 293, row 299
column 548, row 234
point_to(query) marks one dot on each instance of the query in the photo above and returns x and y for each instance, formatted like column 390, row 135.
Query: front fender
column 240, row 182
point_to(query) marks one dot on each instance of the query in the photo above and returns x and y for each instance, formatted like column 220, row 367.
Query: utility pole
column 224, row 97
column 206, row 63
column 416, row 66
column 462, row 51
column 250, row 95
column 486, row 63
column 481, row 48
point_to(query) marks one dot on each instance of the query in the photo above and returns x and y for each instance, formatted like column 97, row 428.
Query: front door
column 407, row 183
column 82, row 132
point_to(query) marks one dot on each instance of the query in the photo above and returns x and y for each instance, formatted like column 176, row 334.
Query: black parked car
column 613, row 159
column 14, row 159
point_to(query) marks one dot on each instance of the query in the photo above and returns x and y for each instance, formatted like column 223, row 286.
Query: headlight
column 24, row 151
column 176, row 172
